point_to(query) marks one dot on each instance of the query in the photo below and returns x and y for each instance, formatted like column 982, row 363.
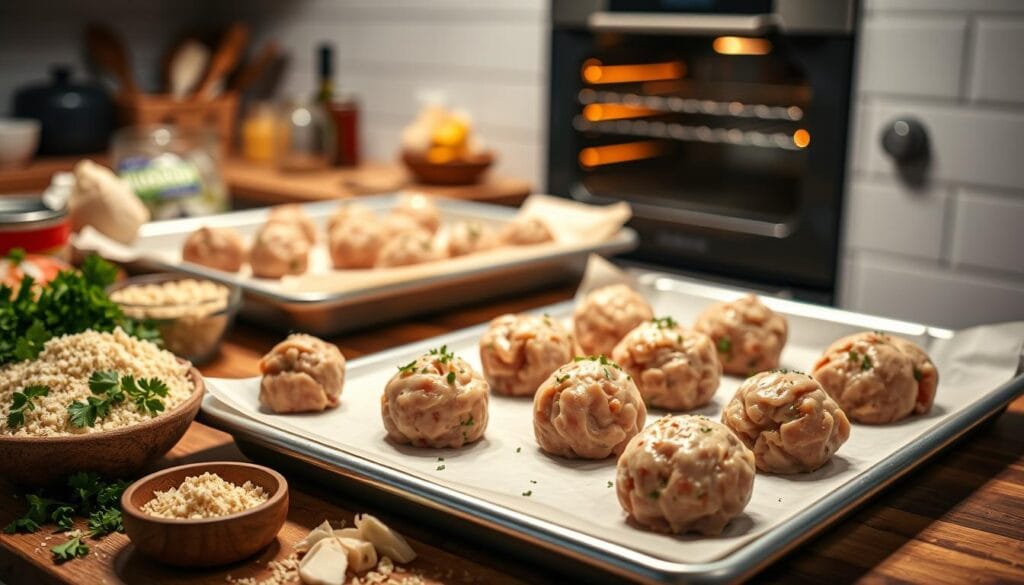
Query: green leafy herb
column 519, row 449
column 724, row 345
column 16, row 255
column 69, row 550
column 23, row 524
column 664, row 322
column 607, row 374
column 74, row 301
column 105, row 521
column 533, row 481
column 145, row 393
column 866, row 364
column 854, row 356
column 609, row 484
column 561, row 379
column 450, row 377
column 63, row 517
column 528, row 493
column 407, row 368
column 705, row 429
column 440, row 467
column 21, row 402
column 442, row 354
column 469, row 421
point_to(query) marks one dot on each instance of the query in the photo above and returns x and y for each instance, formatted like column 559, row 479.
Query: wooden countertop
column 959, row 518
column 252, row 184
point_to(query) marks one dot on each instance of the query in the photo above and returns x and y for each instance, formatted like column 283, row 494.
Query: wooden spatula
column 224, row 59
column 107, row 51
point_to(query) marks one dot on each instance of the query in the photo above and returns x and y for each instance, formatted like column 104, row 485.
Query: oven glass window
column 711, row 124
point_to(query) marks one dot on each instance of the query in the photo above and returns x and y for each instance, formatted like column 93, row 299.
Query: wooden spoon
column 225, row 58
column 107, row 50
column 255, row 68
column 186, row 67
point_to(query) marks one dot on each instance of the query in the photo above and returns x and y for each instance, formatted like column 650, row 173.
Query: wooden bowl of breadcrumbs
column 205, row 514
column 114, row 453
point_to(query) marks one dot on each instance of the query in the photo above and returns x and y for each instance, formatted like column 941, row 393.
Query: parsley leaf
column 69, row 550
column 450, row 377
column 724, row 345
column 21, row 402
column 16, row 255
column 664, row 322
column 31, row 345
column 103, row 382
column 105, row 521
column 407, row 368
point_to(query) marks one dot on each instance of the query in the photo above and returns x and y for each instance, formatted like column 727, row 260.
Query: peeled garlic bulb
column 386, row 541
column 324, row 564
column 316, row 535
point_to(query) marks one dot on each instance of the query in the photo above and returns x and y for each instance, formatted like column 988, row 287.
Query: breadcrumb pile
column 205, row 496
column 64, row 366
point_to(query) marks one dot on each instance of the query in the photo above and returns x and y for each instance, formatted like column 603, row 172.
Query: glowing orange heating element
column 598, row 112
column 801, row 138
column 595, row 72
column 741, row 46
column 594, row 156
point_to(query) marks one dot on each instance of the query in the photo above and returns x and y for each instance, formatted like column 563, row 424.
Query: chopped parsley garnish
column 561, row 379
column 69, row 550
column 664, row 322
column 724, row 345
column 607, row 374
column 705, row 429
column 440, row 458
column 442, row 354
column 450, row 377
column 854, row 356
column 519, row 449
column 407, row 368
column 109, row 391
column 609, row 484
column 866, row 364
column 468, row 422
column 533, row 481
column 21, row 402
column 528, row 493
column 440, row 467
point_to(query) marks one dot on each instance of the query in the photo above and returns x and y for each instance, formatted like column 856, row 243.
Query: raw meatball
column 280, row 249
column 518, row 352
column 415, row 247
column 356, row 242
column 436, row 400
column 302, row 374
column 466, row 237
column 877, row 378
column 748, row 335
column 294, row 214
column 525, row 231
column 685, row 474
column 350, row 211
column 606, row 315
column 421, row 209
column 674, row 368
column 219, row 248
column 789, row 421
column 588, row 408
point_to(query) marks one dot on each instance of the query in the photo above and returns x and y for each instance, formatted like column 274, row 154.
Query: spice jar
column 305, row 138
column 258, row 133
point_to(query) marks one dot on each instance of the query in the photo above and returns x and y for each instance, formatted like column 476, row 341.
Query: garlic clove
column 316, row 535
column 386, row 541
column 324, row 564
column 361, row 554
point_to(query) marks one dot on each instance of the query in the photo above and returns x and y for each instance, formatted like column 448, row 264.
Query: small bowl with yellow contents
column 205, row 514
column 192, row 314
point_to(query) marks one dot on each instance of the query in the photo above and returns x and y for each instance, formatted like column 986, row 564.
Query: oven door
column 725, row 134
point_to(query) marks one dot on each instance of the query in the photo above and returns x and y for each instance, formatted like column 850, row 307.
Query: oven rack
column 687, row 133
column 676, row 104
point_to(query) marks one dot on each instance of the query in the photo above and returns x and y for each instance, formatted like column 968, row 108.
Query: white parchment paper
column 507, row 464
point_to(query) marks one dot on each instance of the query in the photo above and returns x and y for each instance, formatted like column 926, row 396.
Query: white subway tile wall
column 951, row 251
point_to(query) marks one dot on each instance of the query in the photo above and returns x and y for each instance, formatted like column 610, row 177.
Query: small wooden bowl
column 205, row 542
column 37, row 461
column 464, row 171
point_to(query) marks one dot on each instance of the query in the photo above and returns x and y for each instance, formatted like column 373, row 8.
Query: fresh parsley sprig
column 69, row 550
column 22, row 402
column 109, row 391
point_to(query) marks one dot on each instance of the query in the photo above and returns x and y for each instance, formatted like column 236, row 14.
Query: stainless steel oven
column 723, row 123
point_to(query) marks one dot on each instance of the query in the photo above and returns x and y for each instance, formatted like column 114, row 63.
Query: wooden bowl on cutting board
column 462, row 171
column 37, row 461
column 205, row 542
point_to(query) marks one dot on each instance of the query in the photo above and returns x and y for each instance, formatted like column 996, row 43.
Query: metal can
column 27, row 222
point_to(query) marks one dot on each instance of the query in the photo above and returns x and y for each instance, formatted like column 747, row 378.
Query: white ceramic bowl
column 19, row 138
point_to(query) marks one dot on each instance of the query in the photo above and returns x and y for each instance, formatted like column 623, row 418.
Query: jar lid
column 27, row 209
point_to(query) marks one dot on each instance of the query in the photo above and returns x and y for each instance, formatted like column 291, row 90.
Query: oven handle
column 701, row 219
column 682, row 24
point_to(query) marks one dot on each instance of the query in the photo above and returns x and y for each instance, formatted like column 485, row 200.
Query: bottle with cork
column 342, row 108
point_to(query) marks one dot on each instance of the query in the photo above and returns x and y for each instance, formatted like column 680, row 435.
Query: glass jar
column 175, row 172
column 305, row 137
column 258, row 128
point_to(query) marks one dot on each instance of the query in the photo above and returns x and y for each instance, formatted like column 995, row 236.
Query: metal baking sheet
column 329, row 313
column 580, row 518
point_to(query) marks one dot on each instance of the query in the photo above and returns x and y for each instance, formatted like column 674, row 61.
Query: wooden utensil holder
column 218, row 114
